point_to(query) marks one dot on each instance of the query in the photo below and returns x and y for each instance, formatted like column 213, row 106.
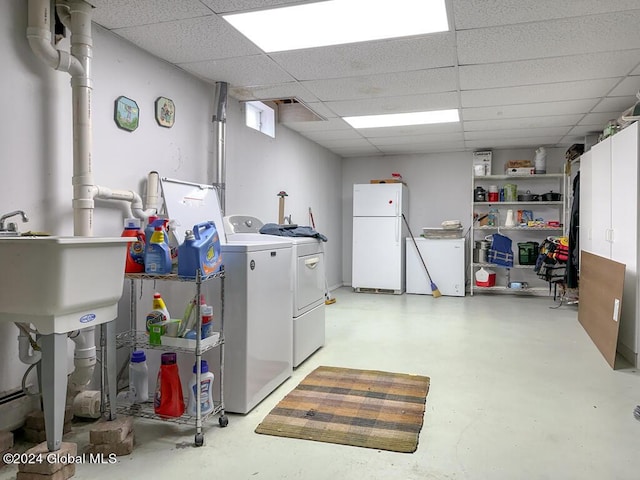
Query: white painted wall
column 36, row 149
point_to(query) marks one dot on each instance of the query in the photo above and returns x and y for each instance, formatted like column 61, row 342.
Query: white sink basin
column 61, row 284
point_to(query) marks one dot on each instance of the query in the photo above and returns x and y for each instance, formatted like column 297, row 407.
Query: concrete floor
column 518, row 391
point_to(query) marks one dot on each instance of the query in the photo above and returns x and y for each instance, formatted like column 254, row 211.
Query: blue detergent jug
column 200, row 250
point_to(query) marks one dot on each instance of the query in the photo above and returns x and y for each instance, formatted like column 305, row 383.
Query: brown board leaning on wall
column 601, row 286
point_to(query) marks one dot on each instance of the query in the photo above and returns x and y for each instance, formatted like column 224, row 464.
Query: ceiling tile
column 525, row 142
column 548, row 70
column 436, row 128
column 226, row 6
column 600, row 119
column 356, row 151
column 615, row 104
column 408, row 103
column 384, row 85
column 366, row 58
column 551, row 92
column 417, row 140
column 345, row 142
column 516, row 133
column 419, row 149
column 628, row 86
column 583, row 130
column 127, row 13
column 240, row 71
column 514, row 123
column 553, row 38
column 327, row 135
column 480, row 13
column 272, row 92
column 327, row 125
column 321, row 109
column 191, row 40
column 529, row 110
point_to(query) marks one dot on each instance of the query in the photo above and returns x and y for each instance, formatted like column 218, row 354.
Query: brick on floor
column 40, row 455
column 111, row 432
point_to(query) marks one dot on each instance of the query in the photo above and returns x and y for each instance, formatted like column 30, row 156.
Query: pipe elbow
column 24, row 354
column 40, row 43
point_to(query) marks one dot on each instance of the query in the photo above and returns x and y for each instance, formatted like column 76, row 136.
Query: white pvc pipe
column 24, row 346
column 152, row 199
column 84, row 358
column 136, row 209
column 39, row 37
column 81, row 88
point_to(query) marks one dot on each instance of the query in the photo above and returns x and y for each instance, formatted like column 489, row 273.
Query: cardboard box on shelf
column 518, row 164
column 387, row 180
column 482, row 163
column 519, row 172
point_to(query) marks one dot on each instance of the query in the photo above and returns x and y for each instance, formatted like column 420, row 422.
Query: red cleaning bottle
column 135, row 249
column 168, row 400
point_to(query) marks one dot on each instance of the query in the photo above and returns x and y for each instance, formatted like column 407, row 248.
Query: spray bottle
column 157, row 258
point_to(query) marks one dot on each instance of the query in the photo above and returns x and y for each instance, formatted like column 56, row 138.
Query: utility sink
column 61, row 284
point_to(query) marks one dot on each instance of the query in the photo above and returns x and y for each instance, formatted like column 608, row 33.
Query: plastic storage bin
column 528, row 253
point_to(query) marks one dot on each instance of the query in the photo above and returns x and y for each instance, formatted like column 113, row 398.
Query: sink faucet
column 9, row 215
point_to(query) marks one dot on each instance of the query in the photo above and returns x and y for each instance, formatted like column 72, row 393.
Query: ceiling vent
column 292, row 110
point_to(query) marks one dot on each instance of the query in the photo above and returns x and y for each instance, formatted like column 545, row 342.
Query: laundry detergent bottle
column 138, row 377
column 157, row 258
column 206, row 390
column 168, row 400
column 135, row 249
column 200, row 251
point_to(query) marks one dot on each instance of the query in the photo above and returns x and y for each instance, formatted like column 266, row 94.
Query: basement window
column 260, row 117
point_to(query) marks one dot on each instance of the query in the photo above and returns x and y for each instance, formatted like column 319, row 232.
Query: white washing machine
column 257, row 329
column 308, row 276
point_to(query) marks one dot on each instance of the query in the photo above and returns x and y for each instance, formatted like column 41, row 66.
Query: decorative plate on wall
column 127, row 114
column 165, row 112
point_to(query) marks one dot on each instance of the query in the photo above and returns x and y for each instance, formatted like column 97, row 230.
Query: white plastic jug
column 510, row 221
column 540, row 161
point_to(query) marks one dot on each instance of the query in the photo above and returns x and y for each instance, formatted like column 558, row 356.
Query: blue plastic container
column 157, row 257
column 200, row 251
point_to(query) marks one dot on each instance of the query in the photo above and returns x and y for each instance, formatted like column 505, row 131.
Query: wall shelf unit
column 541, row 211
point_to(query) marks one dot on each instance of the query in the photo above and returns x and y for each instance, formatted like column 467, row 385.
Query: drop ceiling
column 522, row 73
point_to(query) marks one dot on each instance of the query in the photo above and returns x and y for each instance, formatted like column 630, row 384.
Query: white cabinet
column 609, row 196
column 550, row 213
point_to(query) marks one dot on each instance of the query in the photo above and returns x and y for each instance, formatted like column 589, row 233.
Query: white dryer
column 308, row 276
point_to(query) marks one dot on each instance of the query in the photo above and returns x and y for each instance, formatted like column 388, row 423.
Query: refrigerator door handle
column 398, row 229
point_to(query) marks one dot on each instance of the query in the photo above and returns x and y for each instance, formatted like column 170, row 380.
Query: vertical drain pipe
column 81, row 88
column 220, row 134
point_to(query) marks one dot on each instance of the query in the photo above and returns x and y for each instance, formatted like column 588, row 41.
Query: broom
column 434, row 289
column 328, row 299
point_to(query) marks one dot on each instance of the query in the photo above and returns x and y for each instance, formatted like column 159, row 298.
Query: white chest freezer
column 445, row 261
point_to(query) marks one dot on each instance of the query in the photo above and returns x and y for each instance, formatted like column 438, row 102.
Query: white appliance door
column 377, row 200
column 445, row 261
column 309, row 289
column 377, row 253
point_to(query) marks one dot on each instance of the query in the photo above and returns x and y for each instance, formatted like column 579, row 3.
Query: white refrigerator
column 379, row 237
column 445, row 259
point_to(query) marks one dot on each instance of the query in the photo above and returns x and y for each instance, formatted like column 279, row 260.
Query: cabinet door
column 624, row 225
column 601, row 198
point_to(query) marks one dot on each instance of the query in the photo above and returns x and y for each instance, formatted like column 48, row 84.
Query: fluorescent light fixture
column 402, row 119
column 335, row 22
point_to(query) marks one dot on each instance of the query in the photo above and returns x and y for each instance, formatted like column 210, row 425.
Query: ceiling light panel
column 398, row 119
column 335, row 22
